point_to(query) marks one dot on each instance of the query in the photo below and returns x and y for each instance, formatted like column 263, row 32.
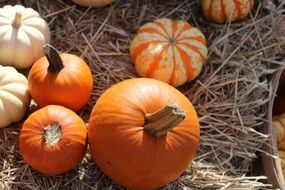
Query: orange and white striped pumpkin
column 169, row 50
column 220, row 11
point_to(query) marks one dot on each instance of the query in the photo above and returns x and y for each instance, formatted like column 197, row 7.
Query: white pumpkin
column 14, row 96
column 94, row 3
column 22, row 34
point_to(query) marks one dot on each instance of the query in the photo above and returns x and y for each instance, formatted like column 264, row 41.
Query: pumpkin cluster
column 55, row 129
column 146, row 118
column 54, row 134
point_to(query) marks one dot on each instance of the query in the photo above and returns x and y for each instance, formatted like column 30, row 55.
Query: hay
column 230, row 95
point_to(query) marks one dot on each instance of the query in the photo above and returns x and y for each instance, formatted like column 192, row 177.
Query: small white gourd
column 14, row 96
column 22, row 34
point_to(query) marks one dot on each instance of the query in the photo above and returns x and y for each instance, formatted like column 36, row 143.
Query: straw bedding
column 230, row 95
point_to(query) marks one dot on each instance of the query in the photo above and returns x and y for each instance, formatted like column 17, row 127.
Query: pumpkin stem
column 53, row 57
column 52, row 134
column 172, row 42
column 163, row 120
column 17, row 20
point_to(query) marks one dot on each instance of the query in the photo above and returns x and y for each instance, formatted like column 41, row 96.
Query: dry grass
column 230, row 95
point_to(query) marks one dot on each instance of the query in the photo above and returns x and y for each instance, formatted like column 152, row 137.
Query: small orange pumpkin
column 60, row 79
column 169, row 50
column 220, row 11
column 53, row 140
column 143, row 133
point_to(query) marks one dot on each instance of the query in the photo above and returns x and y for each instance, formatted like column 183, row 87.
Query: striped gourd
column 169, row 50
column 220, row 11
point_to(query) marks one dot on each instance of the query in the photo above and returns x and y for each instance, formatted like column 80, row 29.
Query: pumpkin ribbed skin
column 61, row 156
column 14, row 96
column 125, row 151
column 219, row 11
column 169, row 50
column 71, row 87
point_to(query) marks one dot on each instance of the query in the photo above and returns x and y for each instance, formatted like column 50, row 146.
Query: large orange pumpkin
column 143, row 133
column 60, row 79
column 169, row 50
column 53, row 140
column 220, row 11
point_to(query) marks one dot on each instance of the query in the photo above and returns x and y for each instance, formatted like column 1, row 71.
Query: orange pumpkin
column 143, row 133
column 60, row 79
column 220, row 11
column 53, row 140
column 169, row 50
